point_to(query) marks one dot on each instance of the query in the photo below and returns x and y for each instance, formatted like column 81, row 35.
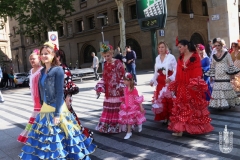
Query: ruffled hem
column 190, row 128
column 232, row 70
column 131, row 115
column 100, row 87
column 63, row 141
column 108, row 127
column 210, row 72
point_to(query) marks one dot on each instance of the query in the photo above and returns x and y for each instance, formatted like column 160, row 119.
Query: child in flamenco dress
column 34, row 77
column 131, row 110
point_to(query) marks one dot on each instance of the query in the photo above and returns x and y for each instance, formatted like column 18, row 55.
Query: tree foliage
column 36, row 16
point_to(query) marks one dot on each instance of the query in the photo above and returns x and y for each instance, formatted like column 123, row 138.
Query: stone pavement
column 155, row 142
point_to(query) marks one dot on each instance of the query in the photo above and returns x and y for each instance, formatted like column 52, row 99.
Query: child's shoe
column 140, row 128
column 128, row 135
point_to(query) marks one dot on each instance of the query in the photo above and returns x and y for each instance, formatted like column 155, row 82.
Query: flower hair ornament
column 36, row 51
column 128, row 76
column 201, row 47
column 106, row 48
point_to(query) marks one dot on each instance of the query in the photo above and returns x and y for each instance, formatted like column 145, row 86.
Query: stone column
column 223, row 20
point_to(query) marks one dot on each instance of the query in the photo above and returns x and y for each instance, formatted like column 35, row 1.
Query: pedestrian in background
column 95, row 65
column 131, row 112
column 55, row 133
column 112, row 85
column 190, row 108
column 1, row 96
column 130, row 62
column 34, row 60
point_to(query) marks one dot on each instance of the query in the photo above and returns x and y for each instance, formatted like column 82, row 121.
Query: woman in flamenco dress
column 112, row 85
column 235, row 54
column 70, row 89
column 222, row 70
column 189, row 112
column 34, row 59
column 55, row 133
column 205, row 62
column 164, row 73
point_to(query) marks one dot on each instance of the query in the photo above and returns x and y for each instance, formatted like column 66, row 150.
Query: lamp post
column 100, row 16
column 191, row 14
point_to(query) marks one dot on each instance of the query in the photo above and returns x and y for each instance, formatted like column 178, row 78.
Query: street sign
column 53, row 37
column 152, row 14
column 215, row 17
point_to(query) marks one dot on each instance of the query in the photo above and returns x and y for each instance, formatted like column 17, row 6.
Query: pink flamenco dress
column 130, row 113
column 190, row 107
column 112, row 85
column 33, row 83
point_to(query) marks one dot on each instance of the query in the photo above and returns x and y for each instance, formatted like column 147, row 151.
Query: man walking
column 95, row 65
column 130, row 62
column 1, row 96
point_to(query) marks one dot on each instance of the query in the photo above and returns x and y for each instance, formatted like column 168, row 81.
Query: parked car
column 19, row 79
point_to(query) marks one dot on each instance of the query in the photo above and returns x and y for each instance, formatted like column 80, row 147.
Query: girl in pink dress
column 131, row 110
column 33, row 83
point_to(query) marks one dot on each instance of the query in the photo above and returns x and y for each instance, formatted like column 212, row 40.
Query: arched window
column 135, row 46
column 87, row 53
column 196, row 38
column 204, row 8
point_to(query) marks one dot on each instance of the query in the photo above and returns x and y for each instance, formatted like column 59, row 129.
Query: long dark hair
column 190, row 45
column 60, row 53
column 54, row 61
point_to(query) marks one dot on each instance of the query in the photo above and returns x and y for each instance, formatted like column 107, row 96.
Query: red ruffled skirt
column 190, row 108
column 167, row 102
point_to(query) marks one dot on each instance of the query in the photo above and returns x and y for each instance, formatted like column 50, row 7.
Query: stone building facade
column 5, row 52
column 81, row 35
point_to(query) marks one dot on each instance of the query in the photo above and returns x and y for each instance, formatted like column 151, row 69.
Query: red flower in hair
column 55, row 47
column 128, row 75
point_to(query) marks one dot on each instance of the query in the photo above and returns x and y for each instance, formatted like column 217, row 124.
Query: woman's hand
column 56, row 120
column 151, row 84
column 168, row 80
column 68, row 101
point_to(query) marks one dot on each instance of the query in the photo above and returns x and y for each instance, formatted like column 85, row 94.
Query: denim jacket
column 53, row 88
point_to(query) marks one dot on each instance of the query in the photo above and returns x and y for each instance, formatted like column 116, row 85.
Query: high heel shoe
column 128, row 135
column 179, row 134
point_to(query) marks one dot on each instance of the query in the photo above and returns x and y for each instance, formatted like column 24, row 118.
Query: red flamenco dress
column 190, row 108
column 112, row 85
column 164, row 102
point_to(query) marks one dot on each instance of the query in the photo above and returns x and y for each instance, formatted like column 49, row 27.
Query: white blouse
column 169, row 63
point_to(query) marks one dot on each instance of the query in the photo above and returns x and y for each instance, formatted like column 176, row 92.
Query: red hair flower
column 128, row 76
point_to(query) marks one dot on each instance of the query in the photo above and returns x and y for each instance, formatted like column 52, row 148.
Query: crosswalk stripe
column 144, row 135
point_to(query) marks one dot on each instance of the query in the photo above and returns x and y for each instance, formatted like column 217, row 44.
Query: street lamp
column 191, row 14
column 102, row 16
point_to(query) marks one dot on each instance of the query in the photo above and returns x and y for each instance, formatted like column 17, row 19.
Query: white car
column 19, row 78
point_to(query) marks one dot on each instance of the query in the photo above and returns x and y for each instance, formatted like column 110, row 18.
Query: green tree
column 36, row 16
